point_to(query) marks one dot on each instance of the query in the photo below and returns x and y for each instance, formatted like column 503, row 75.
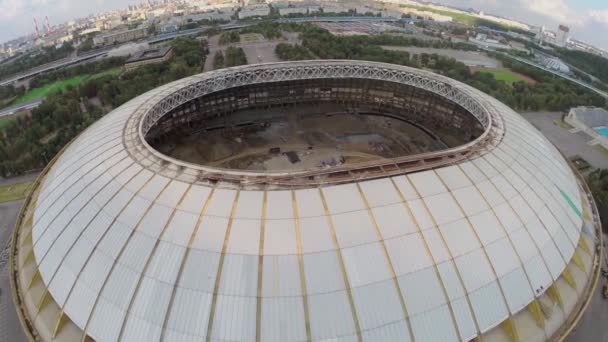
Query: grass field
column 504, row 75
column 14, row 192
column 38, row 93
column 251, row 37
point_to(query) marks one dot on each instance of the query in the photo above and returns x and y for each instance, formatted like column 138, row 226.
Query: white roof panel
column 422, row 291
column 239, row 275
column 487, row 227
column 281, row 276
column 470, row 200
column 394, row 220
column 464, row 319
column 421, row 214
column 343, row 198
column 200, row 270
column 283, row 319
column 427, row 183
column 453, row 177
column 488, row 306
column 316, row 235
column 190, row 312
column 408, row 254
column 475, row 270
column 210, row 233
column 279, row 205
column 280, row 237
column 434, row 325
column 360, row 271
column 459, row 237
column 323, row 272
column 517, row 289
column 330, row 315
column 249, row 205
column 221, row 202
column 309, row 203
column 436, row 245
column 443, row 208
column 502, row 256
column 244, row 236
column 354, row 228
column 234, row 319
column 180, row 228
column 377, row 304
column 405, row 188
column 380, row 192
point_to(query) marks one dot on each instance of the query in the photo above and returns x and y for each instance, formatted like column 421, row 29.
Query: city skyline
column 584, row 17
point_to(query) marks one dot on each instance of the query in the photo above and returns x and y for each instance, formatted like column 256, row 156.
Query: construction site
column 303, row 125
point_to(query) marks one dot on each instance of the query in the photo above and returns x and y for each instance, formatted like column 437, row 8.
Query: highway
column 15, row 109
column 53, row 66
column 566, row 77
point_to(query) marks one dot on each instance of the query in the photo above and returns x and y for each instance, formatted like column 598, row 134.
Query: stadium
column 307, row 201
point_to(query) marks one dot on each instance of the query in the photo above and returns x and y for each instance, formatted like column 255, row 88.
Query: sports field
column 38, row 93
column 504, row 75
column 14, row 192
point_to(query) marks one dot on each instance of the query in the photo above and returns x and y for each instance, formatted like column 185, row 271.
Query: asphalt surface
column 570, row 144
column 16, row 109
column 10, row 328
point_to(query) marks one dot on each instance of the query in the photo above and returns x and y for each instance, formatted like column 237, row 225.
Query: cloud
column 557, row 10
column 9, row 8
column 599, row 17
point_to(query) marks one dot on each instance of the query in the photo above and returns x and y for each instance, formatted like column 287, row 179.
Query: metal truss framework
column 184, row 91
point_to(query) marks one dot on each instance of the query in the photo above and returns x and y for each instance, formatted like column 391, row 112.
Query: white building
column 557, row 65
column 254, row 11
column 562, row 36
column 293, row 10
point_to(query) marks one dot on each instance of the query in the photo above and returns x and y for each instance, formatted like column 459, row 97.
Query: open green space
column 4, row 122
column 14, row 192
column 38, row 93
column 504, row 75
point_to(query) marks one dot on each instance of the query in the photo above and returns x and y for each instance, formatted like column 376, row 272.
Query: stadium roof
column 133, row 245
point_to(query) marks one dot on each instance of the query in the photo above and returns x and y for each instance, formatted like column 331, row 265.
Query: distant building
column 482, row 40
column 557, row 65
column 254, row 11
column 562, row 36
column 150, row 56
column 120, row 37
column 293, row 10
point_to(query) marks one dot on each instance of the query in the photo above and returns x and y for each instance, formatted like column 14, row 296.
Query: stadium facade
column 493, row 239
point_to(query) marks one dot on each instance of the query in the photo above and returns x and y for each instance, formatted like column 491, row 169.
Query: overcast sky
column 588, row 19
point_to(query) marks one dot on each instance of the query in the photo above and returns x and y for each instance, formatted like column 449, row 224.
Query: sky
column 588, row 19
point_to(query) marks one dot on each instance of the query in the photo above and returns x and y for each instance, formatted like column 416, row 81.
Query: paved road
column 19, row 179
column 15, row 109
column 570, row 144
column 10, row 328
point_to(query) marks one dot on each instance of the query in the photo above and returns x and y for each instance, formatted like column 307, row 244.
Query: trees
column 289, row 52
column 30, row 141
column 218, row 60
column 229, row 37
column 235, row 56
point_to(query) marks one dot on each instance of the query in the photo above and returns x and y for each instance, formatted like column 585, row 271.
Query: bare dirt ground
column 317, row 140
column 259, row 50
